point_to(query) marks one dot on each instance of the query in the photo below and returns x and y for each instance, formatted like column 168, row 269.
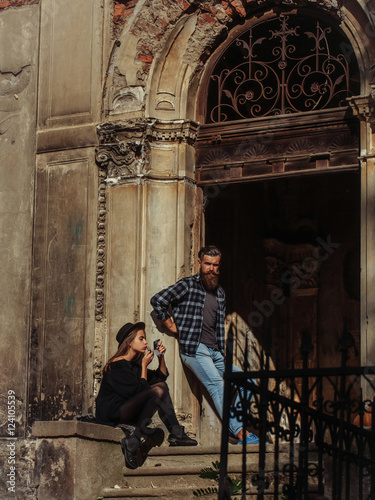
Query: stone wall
column 18, row 74
column 18, row 100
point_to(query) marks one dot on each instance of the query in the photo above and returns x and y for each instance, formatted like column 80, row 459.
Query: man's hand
column 171, row 325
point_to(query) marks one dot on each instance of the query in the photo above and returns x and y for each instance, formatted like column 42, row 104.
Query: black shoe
column 153, row 437
column 180, row 438
column 130, row 448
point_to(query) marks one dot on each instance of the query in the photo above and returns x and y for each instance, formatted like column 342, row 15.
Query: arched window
column 273, row 100
column 289, row 64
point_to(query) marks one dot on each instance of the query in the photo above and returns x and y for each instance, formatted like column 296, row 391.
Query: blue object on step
column 250, row 439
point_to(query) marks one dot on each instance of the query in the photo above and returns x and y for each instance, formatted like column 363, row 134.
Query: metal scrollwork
column 280, row 66
column 315, row 419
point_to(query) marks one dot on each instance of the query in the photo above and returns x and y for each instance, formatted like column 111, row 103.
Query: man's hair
column 210, row 250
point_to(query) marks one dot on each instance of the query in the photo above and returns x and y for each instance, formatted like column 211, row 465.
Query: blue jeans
column 208, row 366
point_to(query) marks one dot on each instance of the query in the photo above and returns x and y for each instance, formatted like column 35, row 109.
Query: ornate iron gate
column 316, row 422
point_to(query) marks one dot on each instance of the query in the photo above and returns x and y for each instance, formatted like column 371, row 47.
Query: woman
column 130, row 393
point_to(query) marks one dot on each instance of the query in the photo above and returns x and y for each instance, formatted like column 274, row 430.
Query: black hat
column 126, row 329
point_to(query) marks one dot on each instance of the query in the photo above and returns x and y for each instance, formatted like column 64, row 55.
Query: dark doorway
column 291, row 260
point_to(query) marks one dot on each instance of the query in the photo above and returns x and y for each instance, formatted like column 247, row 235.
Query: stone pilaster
column 364, row 108
column 145, row 219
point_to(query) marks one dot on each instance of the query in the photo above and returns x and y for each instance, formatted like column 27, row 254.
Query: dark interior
column 254, row 221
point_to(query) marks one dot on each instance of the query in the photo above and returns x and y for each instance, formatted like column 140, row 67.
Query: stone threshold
column 98, row 432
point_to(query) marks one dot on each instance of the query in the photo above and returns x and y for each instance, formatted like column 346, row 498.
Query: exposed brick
column 238, row 6
column 146, row 58
column 183, row 4
column 162, row 23
column 4, row 4
column 205, row 17
column 121, row 11
column 217, row 11
column 228, row 8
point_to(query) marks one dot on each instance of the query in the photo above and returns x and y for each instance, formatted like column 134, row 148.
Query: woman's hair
column 123, row 349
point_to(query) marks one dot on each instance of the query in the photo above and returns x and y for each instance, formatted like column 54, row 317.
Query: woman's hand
column 162, row 365
column 146, row 360
column 161, row 348
column 147, row 357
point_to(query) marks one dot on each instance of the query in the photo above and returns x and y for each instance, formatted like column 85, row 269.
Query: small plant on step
column 234, row 485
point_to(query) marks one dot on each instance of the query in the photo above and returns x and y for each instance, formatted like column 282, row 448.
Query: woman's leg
column 140, row 409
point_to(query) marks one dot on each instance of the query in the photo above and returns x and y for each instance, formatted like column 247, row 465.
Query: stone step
column 93, row 464
column 185, row 493
column 173, row 472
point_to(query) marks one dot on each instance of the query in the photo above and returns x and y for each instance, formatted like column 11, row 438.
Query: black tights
column 140, row 409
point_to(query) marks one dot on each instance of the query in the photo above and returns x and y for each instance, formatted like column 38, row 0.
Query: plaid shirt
column 187, row 298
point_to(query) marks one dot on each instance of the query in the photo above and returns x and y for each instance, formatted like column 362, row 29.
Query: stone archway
column 257, row 127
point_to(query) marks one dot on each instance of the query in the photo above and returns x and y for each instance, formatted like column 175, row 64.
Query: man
column 198, row 307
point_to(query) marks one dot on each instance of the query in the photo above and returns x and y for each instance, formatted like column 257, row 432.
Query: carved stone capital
column 122, row 159
column 122, row 149
column 363, row 106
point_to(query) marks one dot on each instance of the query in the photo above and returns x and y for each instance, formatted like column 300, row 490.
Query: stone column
column 148, row 195
column 364, row 108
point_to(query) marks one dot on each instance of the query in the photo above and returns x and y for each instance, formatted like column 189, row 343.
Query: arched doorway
column 277, row 159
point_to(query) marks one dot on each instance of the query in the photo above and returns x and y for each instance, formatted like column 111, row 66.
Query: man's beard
column 210, row 281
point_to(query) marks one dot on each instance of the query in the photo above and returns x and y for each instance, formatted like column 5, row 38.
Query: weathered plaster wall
column 159, row 37
column 69, row 99
column 18, row 77
column 18, row 89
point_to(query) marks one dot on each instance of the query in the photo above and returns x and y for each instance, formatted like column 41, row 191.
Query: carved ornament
column 124, row 147
column 293, row 265
column 172, row 131
column 363, row 106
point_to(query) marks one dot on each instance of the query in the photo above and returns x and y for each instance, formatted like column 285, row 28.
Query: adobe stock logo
column 292, row 280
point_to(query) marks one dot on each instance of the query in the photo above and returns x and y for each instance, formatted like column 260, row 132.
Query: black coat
column 120, row 383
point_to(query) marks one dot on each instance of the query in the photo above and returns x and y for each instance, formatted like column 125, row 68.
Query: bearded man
column 198, row 308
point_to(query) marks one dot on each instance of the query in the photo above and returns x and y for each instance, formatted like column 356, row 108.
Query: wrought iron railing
column 316, row 423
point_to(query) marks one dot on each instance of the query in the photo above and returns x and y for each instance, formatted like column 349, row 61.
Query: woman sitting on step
column 130, row 393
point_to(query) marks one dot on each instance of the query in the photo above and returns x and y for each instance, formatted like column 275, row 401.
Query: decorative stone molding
column 363, row 106
column 100, row 249
column 173, row 131
column 248, row 151
column 127, row 99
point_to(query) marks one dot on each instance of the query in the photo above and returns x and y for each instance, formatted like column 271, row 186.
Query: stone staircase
column 172, row 473
column 84, row 461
